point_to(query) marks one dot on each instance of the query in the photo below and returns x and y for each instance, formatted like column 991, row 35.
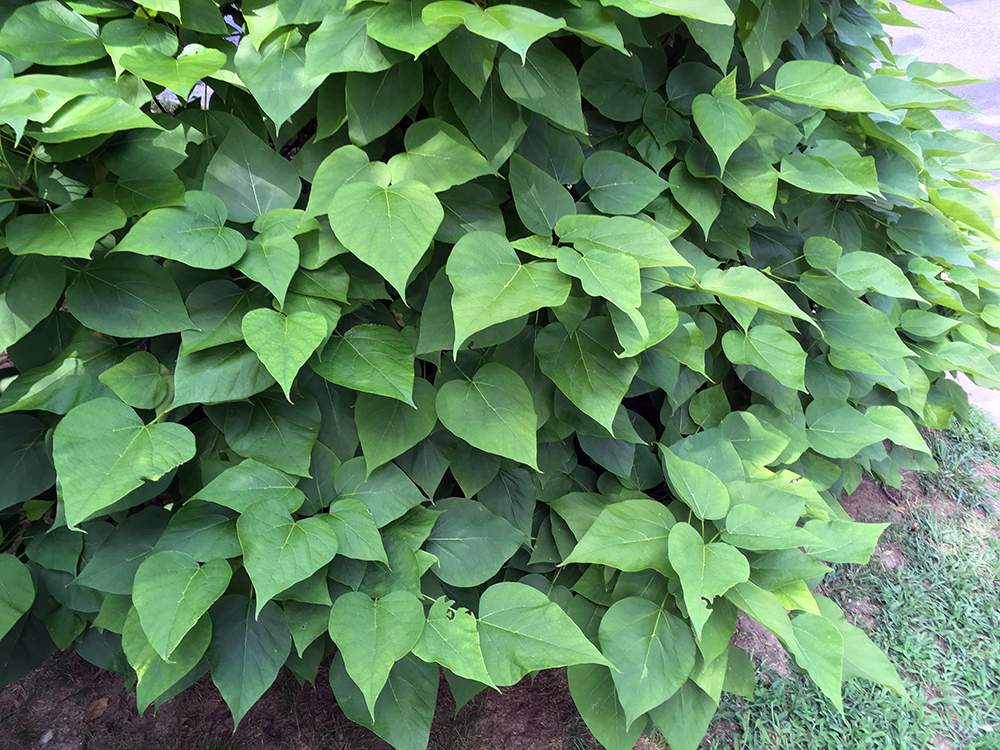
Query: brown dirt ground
column 68, row 704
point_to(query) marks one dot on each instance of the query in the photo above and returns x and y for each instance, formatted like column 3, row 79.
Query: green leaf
column 386, row 491
column 111, row 569
column 271, row 430
column 399, row 24
column 138, row 196
column 492, row 286
column 724, row 123
column 545, row 82
column 102, row 451
column 128, row 296
column 216, row 309
column 179, row 74
column 272, row 262
column 222, row 373
column 712, row 11
column 822, row 252
column 357, row 535
column 250, row 178
column 698, row 487
column 437, row 155
column 820, row 652
column 195, row 235
column 514, row 26
column 771, row 349
column 701, row 198
column 470, row 58
column 705, row 570
column 171, row 593
column 614, row 84
column 636, row 238
column 202, row 530
column 844, row 541
column 778, row 20
column 276, row 74
column 752, row 528
column 493, row 411
column 827, row 86
column 25, row 467
column 612, row 275
column 377, row 101
column 628, row 535
column 653, row 652
column 838, row 430
column 283, row 343
column 30, row 288
column 17, row 592
column 748, row 285
column 495, row 122
column 249, row 482
column 246, row 652
column 585, row 369
column 279, row 551
column 389, row 228
column 861, row 270
column 450, row 638
column 49, row 33
column 619, row 184
column 345, row 165
column 520, row 631
column 156, row 676
column 370, row 358
column 341, row 44
column 92, row 116
column 539, row 199
column 71, row 230
column 374, row 635
column 138, row 381
column 388, row 427
column 684, row 719
column 595, row 696
column 471, row 543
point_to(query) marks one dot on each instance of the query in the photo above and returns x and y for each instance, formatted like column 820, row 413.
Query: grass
column 938, row 618
column 959, row 451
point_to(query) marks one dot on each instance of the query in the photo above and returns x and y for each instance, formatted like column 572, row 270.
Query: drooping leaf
column 71, row 230
column 450, row 638
column 388, row 427
column 17, row 592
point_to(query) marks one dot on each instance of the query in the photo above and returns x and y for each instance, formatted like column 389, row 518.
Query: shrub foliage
column 494, row 337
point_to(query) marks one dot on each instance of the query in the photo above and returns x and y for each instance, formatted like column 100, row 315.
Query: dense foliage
column 495, row 337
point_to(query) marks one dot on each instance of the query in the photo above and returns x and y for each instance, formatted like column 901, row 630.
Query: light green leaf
column 827, row 86
column 701, row 198
column 698, row 487
column 514, row 26
column 709, row 11
column 202, row 530
column 389, row 228
column 838, row 430
column 357, row 535
column 628, row 535
column 822, row 252
column 492, row 286
column 345, row 165
column 377, row 101
column 195, row 235
column 17, row 592
column 374, row 635
column 249, row 482
column 614, row 276
column 250, row 178
column 179, row 74
column 276, row 74
column 283, row 343
column 246, row 652
column 450, row 638
column 49, row 33
column 844, row 541
column 724, row 123
column 777, row 21
column 619, row 184
column 71, row 230
column 684, row 719
column 595, row 696
column 493, row 411
column 748, row 285
column 279, row 551
column 540, row 200
column 623, row 234
column 386, row 491
column 820, row 652
column 771, row 349
column 898, row 427
column 862, row 270
column 705, row 570
column 437, row 155
column 585, row 369
column 399, row 24
column 370, row 358
column 520, row 631
column 102, row 451
column 341, row 44
column 637, row 331
column 470, row 542
column 171, row 593
column 272, row 262
column 271, row 430
column 546, row 83
column 222, row 373
column 653, row 652
column 388, row 427
column 138, row 381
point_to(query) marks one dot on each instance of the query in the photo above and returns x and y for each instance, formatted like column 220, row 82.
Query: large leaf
column 514, row 26
column 470, row 542
column 246, row 652
column 493, row 411
column 70, row 230
column 545, row 82
column 724, row 122
column 710, row 11
column 540, row 200
column 386, row 491
column 279, row 551
column 697, row 486
column 17, row 592
column 377, row 101
column 825, row 85
column 25, row 466
column 388, row 427
column 492, row 286
column 520, row 631
column 437, row 155
column 596, row 698
column 273, row 431
column 389, row 228
column 451, row 639
column 374, row 635
column 283, row 343
column 49, row 33
column 102, row 451
column 171, row 593
column 619, row 184
column 629, row 535
column 370, row 358
column 30, row 287
column 195, row 235
column 653, row 652
column 276, row 74
column 179, row 74
column 250, row 178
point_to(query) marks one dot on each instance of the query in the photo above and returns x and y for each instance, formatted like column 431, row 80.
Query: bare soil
column 68, row 704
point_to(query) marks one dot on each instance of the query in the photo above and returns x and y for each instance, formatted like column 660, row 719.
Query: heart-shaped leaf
column 283, row 342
